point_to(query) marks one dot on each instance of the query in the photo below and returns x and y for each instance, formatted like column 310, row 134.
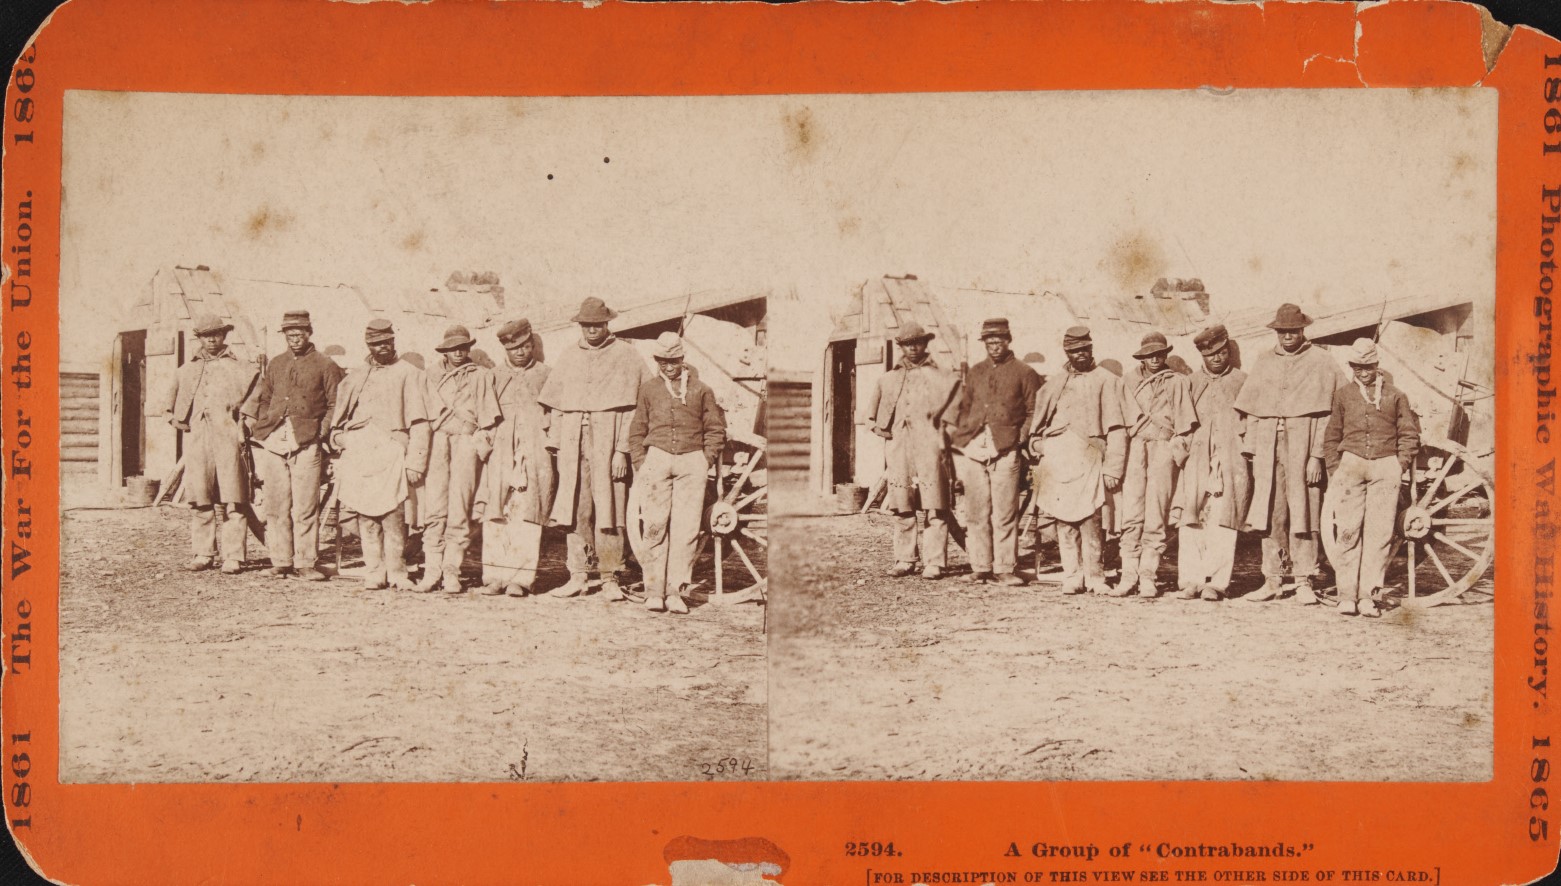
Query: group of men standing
column 451, row 451
column 1216, row 452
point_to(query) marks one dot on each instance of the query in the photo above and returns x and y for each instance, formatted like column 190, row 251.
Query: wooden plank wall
column 79, row 422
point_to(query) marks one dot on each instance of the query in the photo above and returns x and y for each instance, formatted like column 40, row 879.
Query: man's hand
column 1113, row 483
column 1314, row 471
column 414, row 476
column 620, row 466
column 883, row 433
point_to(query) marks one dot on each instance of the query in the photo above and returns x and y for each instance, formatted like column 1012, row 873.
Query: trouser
column 384, row 547
column 672, row 497
column 511, row 550
column 586, row 537
column 1280, row 544
column 453, row 470
column 1205, row 555
column 1365, row 506
column 1079, row 547
column 933, row 543
column 991, row 512
column 292, row 504
column 203, row 533
column 1147, row 488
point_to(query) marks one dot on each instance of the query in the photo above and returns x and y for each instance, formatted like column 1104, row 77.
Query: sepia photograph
column 406, row 440
column 1149, row 436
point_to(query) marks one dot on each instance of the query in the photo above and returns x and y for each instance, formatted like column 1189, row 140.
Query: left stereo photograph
column 411, row 439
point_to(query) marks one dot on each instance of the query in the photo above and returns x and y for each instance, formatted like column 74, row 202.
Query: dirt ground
column 170, row 676
column 951, row 680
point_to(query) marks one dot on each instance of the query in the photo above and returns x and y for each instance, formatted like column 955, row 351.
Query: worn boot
column 572, row 588
column 452, row 582
column 1127, row 585
column 1269, row 590
column 430, row 579
column 1147, row 588
column 1304, row 595
column 676, row 603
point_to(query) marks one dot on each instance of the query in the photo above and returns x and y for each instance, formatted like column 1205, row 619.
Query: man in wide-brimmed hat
column 467, row 412
column 677, row 436
column 1214, row 488
column 990, row 426
column 518, row 479
column 205, row 401
column 907, row 408
column 287, row 415
column 1080, row 443
column 381, row 428
column 1372, row 439
column 592, row 391
column 1157, row 406
column 1285, row 403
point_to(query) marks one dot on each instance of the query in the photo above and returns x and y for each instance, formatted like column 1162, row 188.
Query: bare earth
column 169, row 676
column 879, row 678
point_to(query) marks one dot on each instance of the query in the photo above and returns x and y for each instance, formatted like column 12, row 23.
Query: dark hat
column 1290, row 317
column 594, row 310
column 379, row 329
column 1211, row 340
column 912, row 332
column 1152, row 343
column 455, row 338
column 1076, row 338
column 296, row 320
column 207, row 324
column 997, row 327
column 515, row 330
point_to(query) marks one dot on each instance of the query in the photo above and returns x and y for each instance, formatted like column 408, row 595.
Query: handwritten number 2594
column 726, row 767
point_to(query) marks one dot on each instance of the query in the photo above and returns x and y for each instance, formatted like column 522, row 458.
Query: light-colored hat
column 515, row 330
column 594, row 310
column 912, row 332
column 669, row 346
column 455, row 338
column 296, row 320
column 378, row 330
column 1363, row 352
column 206, row 324
column 1151, row 344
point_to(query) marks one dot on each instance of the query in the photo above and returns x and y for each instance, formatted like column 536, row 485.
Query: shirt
column 674, row 427
column 1390, row 428
column 998, row 396
column 299, row 389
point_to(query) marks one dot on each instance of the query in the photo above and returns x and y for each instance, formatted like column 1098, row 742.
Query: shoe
column 612, row 592
column 932, row 573
column 1127, row 584
column 1305, row 596
column 516, row 590
column 311, row 575
column 451, row 583
column 655, row 604
column 1268, row 591
column 277, row 572
column 1211, row 593
column 428, row 582
column 1188, row 593
column 572, row 588
column 1147, row 588
column 402, row 582
column 374, row 584
column 231, row 567
column 676, row 604
column 900, row 570
column 979, row 578
column 1073, row 587
column 199, row 564
column 493, row 590
column 1348, row 607
column 1010, row 580
column 1368, row 609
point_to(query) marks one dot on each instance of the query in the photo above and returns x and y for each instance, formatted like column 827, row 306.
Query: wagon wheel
column 735, row 518
column 1446, row 533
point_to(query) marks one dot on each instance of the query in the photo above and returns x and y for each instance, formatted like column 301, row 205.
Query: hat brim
column 287, row 326
column 1215, row 348
column 668, row 358
column 1005, row 336
column 517, row 338
column 1145, row 353
column 924, row 337
column 447, row 345
column 226, row 327
column 1373, row 364
column 1078, row 346
column 1276, row 325
column 375, row 338
column 594, row 319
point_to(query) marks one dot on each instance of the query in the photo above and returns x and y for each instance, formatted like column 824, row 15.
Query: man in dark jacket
column 675, row 438
column 1369, row 445
column 295, row 397
column 996, row 402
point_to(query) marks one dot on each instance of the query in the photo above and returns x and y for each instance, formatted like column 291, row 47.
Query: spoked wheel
column 736, row 521
column 1446, row 534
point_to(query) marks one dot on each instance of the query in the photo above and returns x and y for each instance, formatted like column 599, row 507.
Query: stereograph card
column 994, row 442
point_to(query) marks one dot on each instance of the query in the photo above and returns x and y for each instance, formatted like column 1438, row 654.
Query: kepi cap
column 1076, row 338
column 296, row 320
column 515, row 330
column 997, row 327
column 1211, row 340
column 378, row 330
